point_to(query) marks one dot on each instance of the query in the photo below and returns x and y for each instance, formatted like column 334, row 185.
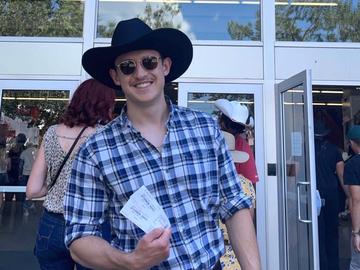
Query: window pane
column 200, row 19
column 320, row 20
column 41, row 18
column 205, row 102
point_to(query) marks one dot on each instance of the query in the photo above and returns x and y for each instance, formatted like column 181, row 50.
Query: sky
column 199, row 21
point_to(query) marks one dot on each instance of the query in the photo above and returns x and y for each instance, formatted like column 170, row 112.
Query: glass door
column 201, row 96
column 28, row 108
column 297, row 177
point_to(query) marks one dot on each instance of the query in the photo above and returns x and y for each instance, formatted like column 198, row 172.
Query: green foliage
column 50, row 18
column 159, row 16
column 155, row 15
column 339, row 23
column 245, row 32
column 106, row 31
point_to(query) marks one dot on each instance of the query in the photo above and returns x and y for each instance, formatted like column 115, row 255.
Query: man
column 352, row 178
column 329, row 173
column 178, row 154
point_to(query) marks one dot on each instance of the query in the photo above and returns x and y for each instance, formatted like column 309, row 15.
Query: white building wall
column 327, row 63
column 40, row 58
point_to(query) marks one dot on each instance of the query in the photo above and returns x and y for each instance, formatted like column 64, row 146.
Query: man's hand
column 152, row 249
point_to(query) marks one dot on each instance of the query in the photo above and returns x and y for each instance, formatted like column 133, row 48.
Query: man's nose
column 140, row 70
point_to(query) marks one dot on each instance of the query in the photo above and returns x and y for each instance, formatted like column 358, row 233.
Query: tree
column 339, row 23
column 331, row 24
column 155, row 15
column 106, row 31
column 245, row 32
column 159, row 16
column 51, row 18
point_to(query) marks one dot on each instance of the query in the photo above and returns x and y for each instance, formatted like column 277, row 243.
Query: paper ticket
column 144, row 211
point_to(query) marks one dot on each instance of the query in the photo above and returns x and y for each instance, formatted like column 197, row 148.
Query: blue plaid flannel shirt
column 193, row 178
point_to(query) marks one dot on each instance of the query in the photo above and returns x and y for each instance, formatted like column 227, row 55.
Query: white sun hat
column 235, row 111
column 237, row 156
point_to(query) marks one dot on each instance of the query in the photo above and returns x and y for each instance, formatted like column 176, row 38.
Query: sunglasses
column 128, row 67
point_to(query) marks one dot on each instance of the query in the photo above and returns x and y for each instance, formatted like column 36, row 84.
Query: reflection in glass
column 297, row 198
column 200, row 20
column 45, row 18
column 25, row 110
column 30, row 113
column 205, row 102
column 320, row 21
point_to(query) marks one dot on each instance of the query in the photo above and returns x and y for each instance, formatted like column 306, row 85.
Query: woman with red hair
column 90, row 107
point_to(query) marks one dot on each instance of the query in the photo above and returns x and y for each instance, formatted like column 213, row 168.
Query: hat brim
column 239, row 156
column 168, row 42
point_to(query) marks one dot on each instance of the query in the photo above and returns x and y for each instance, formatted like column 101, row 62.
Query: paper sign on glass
column 144, row 211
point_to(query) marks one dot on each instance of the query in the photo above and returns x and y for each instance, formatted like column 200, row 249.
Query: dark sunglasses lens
column 127, row 67
column 150, row 62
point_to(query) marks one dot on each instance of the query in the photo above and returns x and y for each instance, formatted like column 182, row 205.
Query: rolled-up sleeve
column 232, row 195
column 85, row 199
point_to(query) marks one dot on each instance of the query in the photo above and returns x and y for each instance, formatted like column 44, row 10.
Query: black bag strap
column 53, row 181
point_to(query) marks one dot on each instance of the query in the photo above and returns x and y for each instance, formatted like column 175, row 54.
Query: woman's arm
column 36, row 186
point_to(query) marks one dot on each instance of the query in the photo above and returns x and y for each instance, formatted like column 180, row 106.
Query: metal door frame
column 302, row 78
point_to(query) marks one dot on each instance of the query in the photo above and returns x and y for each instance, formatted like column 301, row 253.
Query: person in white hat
column 179, row 155
column 235, row 119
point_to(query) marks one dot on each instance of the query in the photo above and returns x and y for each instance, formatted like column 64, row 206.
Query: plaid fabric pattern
column 193, row 178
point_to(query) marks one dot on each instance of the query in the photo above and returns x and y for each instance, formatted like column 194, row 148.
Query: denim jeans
column 50, row 248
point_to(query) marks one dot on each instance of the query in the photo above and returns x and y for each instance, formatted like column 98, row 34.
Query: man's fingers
column 154, row 234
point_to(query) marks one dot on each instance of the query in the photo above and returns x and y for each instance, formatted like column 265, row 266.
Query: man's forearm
column 243, row 240
column 96, row 253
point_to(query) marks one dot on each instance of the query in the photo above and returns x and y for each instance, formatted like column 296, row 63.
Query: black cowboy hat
column 132, row 35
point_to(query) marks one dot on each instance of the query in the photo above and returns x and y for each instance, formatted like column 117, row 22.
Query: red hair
column 91, row 104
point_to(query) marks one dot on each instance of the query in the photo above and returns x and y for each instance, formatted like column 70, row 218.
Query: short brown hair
column 91, row 104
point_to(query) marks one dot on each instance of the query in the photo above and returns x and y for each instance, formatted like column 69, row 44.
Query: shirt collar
column 125, row 122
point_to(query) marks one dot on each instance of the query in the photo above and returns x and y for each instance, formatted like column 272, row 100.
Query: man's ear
column 114, row 77
column 166, row 65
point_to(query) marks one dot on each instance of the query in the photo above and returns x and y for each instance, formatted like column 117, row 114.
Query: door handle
column 307, row 221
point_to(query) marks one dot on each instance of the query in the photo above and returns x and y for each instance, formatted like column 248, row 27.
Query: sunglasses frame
column 141, row 61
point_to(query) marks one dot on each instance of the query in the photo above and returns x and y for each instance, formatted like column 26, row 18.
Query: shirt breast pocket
column 201, row 168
